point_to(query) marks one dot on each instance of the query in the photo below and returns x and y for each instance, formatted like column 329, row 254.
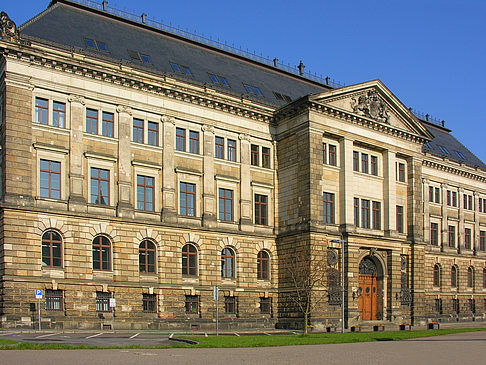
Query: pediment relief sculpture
column 372, row 106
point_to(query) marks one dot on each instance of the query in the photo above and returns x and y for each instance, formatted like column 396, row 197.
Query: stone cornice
column 306, row 104
column 453, row 170
column 163, row 85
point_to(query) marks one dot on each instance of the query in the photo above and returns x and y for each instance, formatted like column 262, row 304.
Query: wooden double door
column 368, row 299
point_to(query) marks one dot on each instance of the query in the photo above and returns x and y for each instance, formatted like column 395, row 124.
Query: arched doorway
column 370, row 289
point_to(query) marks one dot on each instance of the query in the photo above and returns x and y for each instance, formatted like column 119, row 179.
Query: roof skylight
column 181, row 69
column 282, row 97
column 218, row 80
column 460, row 155
column 253, row 90
column 137, row 56
column 443, row 149
column 95, row 44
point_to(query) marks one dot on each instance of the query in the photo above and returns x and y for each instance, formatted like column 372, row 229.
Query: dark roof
column 446, row 145
column 69, row 24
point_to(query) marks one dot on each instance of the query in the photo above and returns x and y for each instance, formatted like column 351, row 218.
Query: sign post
column 112, row 306
column 38, row 296
column 216, row 297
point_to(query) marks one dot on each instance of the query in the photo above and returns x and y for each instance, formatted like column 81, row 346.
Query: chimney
column 301, row 68
column 144, row 16
column 105, row 3
column 275, row 62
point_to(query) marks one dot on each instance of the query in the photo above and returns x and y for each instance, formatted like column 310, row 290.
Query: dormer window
column 181, row 69
column 95, row 44
column 253, row 90
column 218, row 80
column 443, row 149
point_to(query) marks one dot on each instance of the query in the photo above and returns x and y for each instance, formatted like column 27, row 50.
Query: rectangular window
column 180, row 139
column 261, row 209
column 431, row 194
column 50, row 179
column 454, row 198
column 266, row 157
column 41, row 110
column 401, row 172
column 194, row 142
column 187, row 202
column 91, row 121
column 437, row 195
column 376, row 215
column 102, row 301
column 137, row 130
column 464, row 201
column 231, row 150
column 145, row 193
column 265, row 305
column 365, row 213
column 452, row 236
column 192, row 304
column 455, row 305
column 324, row 153
column 149, row 303
column 438, row 305
column 100, row 186
column 482, row 240
column 58, row 114
column 374, row 165
column 226, row 205
column 254, row 154
column 230, row 305
column 355, row 161
column 434, row 234
column 153, row 133
column 399, row 219
column 54, row 300
column 480, row 205
column 449, row 200
column 364, row 163
column 219, row 147
column 356, row 212
column 470, row 201
column 332, row 155
column 467, row 238
column 328, row 205
column 107, row 124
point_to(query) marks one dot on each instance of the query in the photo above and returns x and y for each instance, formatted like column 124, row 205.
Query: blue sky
column 431, row 54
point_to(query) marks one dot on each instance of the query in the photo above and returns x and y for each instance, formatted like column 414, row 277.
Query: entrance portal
column 368, row 302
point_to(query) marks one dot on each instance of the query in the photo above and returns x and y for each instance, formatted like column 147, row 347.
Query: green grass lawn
column 261, row 341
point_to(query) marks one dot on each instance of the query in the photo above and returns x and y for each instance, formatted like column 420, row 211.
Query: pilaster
column 169, row 211
column 125, row 206
column 389, row 193
column 346, row 184
column 245, row 188
column 209, row 199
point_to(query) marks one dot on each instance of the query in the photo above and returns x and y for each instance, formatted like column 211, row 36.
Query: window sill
column 222, row 161
column 112, row 140
column 146, row 146
column 65, row 131
column 196, row 156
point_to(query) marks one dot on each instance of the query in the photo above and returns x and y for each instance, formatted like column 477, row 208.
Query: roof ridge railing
column 427, row 117
column 142, row 19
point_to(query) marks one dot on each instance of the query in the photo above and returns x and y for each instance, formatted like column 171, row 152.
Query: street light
column 341, row 241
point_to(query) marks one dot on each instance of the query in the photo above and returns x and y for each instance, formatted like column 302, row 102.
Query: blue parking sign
column 38, row 294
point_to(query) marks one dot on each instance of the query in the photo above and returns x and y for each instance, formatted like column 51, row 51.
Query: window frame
column 54, row 300
column 107, row 123
column 180, row 136
column 454, row 276
column 92, row 121
column 263, row 265
column 482, row 240
column 328, row 207
column 399, row 219
column 332, row 161
column 254, row 155
column 145, row 187
column 365, row 213
column 138, row 126
column 401, row 172
column 231, row 146
column 376, row 209
column 99, row 179
column 56, row 114
column 102, row 245
column 149, row 253
column 265, row 305
column 470, row 277
column 436, row 278
column 374, row 165
column 194, row 142
column 41, row 110
column 51, row 243
column 356, row 209
column 261, row 206
column 451, row 235
column 219, row 147
column 230, row 304
column 188, row 196
column 149, row 303
column 356, row 161
column 467, row 238
column 364, row 163
column 223, row 214
column 103, row 301
column 227, row 263
column 191, row 304
column 266, row 157
column 189, row 254
column 434, row 234
column 51, row 173
column 152, row 133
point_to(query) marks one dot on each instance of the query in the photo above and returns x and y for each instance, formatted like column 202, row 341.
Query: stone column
column 208, row 193
column 245, row 188
column 426, row 210
column 125, row 205
column 445, row 228
column 389, row 194
column 77, row 195
column 346, row 185
column 475, row 244
column 169, row 211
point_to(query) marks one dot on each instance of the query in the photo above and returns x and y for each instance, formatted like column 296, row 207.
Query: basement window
column 181, row 69
column 253, row 90
column 218, row 80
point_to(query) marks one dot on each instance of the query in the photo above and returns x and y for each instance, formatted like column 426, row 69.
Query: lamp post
column 341, row 242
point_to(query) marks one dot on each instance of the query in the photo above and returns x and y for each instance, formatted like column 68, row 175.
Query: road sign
column 112, row 302
column 38, row 294
column 215, row 292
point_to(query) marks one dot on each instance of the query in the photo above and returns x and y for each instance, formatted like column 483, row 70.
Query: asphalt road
column 464, row 348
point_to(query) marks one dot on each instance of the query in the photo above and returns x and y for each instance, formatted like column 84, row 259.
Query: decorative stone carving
column 9, row 30
column 207, row 128
column 334, row 289
column 371, row 105
column 167, row 119
column 76, row 99
column 403, row 262
column 332, row 257
column 367, row 267
column 244, row 137
column 373, row 251
column 124, row 109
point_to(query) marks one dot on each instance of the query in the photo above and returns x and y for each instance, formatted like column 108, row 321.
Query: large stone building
column 148, row 165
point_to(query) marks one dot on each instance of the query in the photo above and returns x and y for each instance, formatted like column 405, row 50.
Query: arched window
column 263, row 262
column 101, row 253
column 146, row 256
column 454, row 277
column 189, row 260
column 470, row 277
column 437, row 275
column 51, row 249
column 227, row 263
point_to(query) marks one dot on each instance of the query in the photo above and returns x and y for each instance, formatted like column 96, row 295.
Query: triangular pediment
column 373, row 100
